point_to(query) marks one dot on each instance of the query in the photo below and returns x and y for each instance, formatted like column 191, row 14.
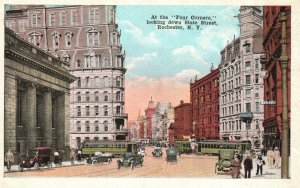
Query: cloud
column 138, row 34
column 186, row 75
column 188, row 54
column 133, row 61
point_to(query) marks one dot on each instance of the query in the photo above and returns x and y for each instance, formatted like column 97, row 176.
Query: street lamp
column 283, row 59
column 193, row 129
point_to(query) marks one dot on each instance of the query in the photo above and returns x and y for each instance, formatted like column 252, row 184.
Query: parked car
column 171, row 155
column 130, row 160
column 36, row 158
column 99, row 157
column 224, row 161
column 157, row 152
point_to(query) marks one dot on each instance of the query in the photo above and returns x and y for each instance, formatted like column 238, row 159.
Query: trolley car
column 116, row 148
column 183, row 146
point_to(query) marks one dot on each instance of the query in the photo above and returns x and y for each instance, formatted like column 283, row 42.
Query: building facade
column 205, row 106
column 148, row 115
column 182, row 126
column 36, row 97
column 88, row 39
column 273, row 82
column 241, row 86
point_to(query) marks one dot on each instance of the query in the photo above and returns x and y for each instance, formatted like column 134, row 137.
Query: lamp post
column 283, row 59
column 193, row 129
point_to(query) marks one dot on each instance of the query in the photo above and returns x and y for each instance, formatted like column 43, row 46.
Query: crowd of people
column 273, row 161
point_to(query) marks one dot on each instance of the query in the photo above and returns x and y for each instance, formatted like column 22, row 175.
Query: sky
column 161, row 62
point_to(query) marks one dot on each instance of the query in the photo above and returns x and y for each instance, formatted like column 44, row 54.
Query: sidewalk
column 268, row 173
column 15, row 168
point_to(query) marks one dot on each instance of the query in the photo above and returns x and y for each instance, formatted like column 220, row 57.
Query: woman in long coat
column 235, row 167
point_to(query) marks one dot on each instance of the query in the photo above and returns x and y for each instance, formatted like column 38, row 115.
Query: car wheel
column 95, row 162
column 36, row 166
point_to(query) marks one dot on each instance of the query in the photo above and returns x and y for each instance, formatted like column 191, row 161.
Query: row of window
column 72, row 17
column 231, row 126
column 118, row 96
column 88, row 128
column 105, row 110
column 97, row 82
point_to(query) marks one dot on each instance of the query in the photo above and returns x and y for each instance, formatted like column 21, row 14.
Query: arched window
column 118, row 81
column 78, row 96
column 87, row 81
column 87, row 96
column 97, row 81
column 105, row 94
column 68, row 37
column 118, row 96
column 96, row 96
column 87, row 126
column 55, row 39
column 105, row 79
column 93, row 37
column 105, row 125
column 96, row 109
column 35, row 38
column 96, row 126
column 105, row 110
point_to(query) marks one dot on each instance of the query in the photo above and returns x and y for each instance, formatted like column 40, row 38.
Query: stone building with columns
column 36, row 97
column 87, row 38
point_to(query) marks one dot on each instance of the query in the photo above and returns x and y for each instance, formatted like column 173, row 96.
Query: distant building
column 273, row 82
column 148, row 115
column 205, row 106
column 36, row 97
column 87, row 39
column 132, row 127
column 182, row 127
column 241, row 86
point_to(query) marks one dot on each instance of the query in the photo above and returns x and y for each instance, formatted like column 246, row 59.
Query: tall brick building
column 273, row 82
column 182, row 127
column 205, row 105
column 86, row 38
column 148, row 115
column 37, row 97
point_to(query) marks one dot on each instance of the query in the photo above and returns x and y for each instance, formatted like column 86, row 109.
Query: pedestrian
column 72, row 156
column 270, row 156
column 263, row 151
column 248, row 166
column 235, row 166
column 260, row 162
column 277, row 157
column 79, row 155
column 9, row 159
column 56, row 157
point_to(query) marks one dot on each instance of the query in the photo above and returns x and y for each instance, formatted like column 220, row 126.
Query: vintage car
column 99, row 157
column 171, row 155
column 157, row 152
column 37, row 157
column 130, row 160
column 224, row 161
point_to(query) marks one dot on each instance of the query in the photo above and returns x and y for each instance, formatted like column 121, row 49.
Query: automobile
column 99, row 157
column 36, row 158
column 157, row 152
column 171, row 155
column 130, row 160
column 141, row 151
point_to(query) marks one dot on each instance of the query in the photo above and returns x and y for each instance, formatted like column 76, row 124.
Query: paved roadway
column 186, row 166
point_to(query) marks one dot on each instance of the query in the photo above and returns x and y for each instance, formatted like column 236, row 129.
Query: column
column 47, row 118
column 60, row 126
column 31, row 116
column 10, row 104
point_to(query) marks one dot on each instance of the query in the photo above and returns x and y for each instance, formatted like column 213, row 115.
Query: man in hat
column 277, row 157
column 260, row 163
column 9, row 159
column 248, row 166
column 270, row 156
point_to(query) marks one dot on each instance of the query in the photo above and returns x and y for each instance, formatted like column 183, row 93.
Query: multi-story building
column 205, row 106
column 132, row 130
column 37, row 98
column 273, row 81
column 86, row 37
column 141, row 126
column 160, row 121
column 241, row 87
column 182, row 126
column 148, row 115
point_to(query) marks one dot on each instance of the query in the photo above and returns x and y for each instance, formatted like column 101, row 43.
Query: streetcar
column 183, row 146
column 212, row 147
column 116, row 148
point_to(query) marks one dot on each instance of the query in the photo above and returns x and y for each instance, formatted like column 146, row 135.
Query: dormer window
column 55, row 39
column 94, row 16
column 68, row 37
column 35, row 38
column 93, row 37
